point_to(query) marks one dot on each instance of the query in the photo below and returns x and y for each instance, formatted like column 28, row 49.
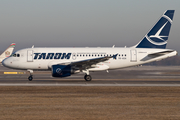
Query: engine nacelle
column 61, row 70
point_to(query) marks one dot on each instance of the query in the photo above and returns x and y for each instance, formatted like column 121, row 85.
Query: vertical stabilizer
column 7, row 52
column 157, row 37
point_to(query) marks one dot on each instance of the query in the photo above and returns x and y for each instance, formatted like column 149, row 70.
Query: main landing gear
column 87, row 77
column 30, row 78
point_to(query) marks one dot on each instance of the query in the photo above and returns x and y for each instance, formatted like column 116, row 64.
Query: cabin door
column 29, row 56
column 133, row 56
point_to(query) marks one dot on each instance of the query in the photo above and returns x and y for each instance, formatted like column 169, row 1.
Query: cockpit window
column 15, row 55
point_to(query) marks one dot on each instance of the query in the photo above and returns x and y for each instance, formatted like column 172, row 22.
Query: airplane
column 7, row 52
column 64, row 62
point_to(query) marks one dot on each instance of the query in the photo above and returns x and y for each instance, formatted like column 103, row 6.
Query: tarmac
column 135, row 93
column 133, row 76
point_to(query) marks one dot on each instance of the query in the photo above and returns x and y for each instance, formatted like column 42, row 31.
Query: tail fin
column 8, row 51
column 157, row 37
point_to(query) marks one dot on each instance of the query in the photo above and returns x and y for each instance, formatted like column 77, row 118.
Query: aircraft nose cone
column 5, row 63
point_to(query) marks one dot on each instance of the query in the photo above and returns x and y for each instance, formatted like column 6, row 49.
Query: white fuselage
column 44, row 58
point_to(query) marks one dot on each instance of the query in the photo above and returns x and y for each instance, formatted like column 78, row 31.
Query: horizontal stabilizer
column 160, row 53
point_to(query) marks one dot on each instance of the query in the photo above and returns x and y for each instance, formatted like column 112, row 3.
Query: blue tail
column 157, row 37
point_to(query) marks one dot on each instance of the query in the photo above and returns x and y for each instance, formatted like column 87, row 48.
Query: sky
column 83, row 23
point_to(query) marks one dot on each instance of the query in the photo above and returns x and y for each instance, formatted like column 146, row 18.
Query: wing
column 85, row 64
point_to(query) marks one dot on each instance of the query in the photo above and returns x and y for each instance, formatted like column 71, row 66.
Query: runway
column 133, row 76
column 100, row 85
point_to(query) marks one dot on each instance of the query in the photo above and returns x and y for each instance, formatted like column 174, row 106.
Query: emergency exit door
column 133, row 56
column 29, row 56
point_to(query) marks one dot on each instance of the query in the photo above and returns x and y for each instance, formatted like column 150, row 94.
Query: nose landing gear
column 30, row 78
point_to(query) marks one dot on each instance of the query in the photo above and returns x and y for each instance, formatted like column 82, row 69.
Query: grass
column 90, row 103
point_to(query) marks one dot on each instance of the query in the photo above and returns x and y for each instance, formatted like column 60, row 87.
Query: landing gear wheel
column 30, row 78
column 87, row 77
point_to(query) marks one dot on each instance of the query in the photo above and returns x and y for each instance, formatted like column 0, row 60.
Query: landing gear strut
column 30, row 78
column 87, row 77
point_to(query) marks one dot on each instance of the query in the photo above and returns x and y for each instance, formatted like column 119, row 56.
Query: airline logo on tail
column 158, row 35
column 7, row 52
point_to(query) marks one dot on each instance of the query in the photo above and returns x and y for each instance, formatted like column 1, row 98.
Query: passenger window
column 18, row 55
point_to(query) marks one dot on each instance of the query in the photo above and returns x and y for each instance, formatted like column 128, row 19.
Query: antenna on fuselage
column 113, row 46
column 33, row 46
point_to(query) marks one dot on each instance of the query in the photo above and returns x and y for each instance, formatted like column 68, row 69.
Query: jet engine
column 63, row 70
